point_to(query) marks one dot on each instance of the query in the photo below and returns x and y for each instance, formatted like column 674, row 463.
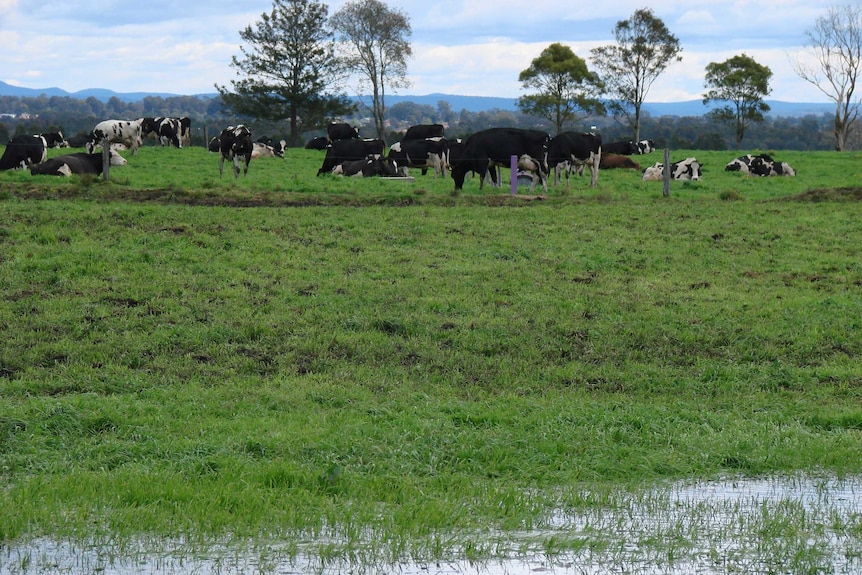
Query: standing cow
column 235, row 144
column 424, row 153
column 349, row 150
column 341, row 131
column 578, row 149
column 496, row 146
column 127, row 132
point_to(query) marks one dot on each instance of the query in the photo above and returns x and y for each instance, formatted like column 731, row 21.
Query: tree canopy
column 290, row 69
column 376, row 47
column 744, row 83
column 564, row 85
column 644, row 49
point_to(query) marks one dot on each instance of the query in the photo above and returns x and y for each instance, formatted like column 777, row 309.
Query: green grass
column 191, row 357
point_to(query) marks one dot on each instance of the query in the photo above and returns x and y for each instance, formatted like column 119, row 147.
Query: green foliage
column 565, row 86
column 744, row 83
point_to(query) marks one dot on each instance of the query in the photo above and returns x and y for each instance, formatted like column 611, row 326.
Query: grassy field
column 393, row 365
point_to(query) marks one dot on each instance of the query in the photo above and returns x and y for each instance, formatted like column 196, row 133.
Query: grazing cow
column 55, row 140
column 613, row 161
column 623, row 147
column 373, row 165
column 495, row 146
column 425, row 153
column 24, row 150
column 318, row 143
column 342, row 151
column 581, row 149
column 128, row 132
column 423, row 132
column 687, row 169
column 341, row 131
column 759, row 165
column 645, row 147
column 235, row 144
column 81, row 163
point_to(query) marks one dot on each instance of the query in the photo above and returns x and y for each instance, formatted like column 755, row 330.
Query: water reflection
column 776, row 525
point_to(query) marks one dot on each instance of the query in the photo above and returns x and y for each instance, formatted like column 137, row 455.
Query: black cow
column 318, row 143
column 81, row 163
column 374, row 165
column 55, row 139
column 341, row 131
column 214, row 144
column 24, row 150
column 495, row 146
column 423, row 131
column 426, row 153
column 82, row 140
column 342, row 151
column 235, row 144
column 759, row 165
column 622, row 147
column 578, row 148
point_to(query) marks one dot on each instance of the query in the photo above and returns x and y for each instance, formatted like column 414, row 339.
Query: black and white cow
column 261, row 150
column 423, row 132
column 426, row 153
column 495, row 146
column 759, row 165
column 82, row 140
column 318, row 143
column 185, row 130
column 341, row 151
column 24, row 150
column 81, row 163
column 374, row 165
column 687, row 169
column 127, row 132
column 622, row 147
column 170, row 132
column 277, row 147
column 55, row 139
column 235, row 145
column 577, row 148
column 341, row 131
column 645, row 147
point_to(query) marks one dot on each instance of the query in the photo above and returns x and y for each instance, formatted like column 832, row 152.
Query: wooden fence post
column 106, row 159
column 665, row 174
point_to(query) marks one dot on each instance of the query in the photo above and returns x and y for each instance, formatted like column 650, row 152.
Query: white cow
column 127, row 132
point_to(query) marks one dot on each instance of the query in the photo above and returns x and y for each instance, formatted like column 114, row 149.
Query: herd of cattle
column 423, row 146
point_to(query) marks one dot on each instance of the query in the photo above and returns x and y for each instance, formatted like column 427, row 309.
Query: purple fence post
column 513, row 179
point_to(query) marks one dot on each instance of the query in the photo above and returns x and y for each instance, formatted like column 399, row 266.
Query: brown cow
column 611, row 161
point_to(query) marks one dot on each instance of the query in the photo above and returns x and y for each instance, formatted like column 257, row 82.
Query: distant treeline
column 72, row 116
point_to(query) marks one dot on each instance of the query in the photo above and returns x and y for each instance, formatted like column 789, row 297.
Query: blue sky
column 474, row 48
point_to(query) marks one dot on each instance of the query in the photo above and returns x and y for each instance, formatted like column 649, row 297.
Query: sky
column 460, row 47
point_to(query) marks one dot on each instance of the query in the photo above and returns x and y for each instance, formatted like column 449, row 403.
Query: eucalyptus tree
column 743, row 83
column 289, row 69
column 836, row 42
column 376, row 48
column 644, row 49
column 565, row 86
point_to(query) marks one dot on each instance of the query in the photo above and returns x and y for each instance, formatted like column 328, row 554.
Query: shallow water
column 775, row 525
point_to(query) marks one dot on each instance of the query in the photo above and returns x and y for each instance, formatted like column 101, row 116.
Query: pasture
column 373, row 369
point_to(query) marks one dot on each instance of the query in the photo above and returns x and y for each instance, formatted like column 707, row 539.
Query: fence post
column 665, row 174
column 106, row 159
column 513, row 176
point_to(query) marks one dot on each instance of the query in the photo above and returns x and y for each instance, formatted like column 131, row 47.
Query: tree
column 836, row 40
column 377, row 50
column 290, row 69
column 644, row 49
column 743, row 82
column 565, row 86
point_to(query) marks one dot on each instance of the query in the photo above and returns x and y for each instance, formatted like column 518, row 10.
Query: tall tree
column 290, row 69
column 743, row 83
column 564, row 85
column 836, row 41
column 377, row 49
column 644, row 49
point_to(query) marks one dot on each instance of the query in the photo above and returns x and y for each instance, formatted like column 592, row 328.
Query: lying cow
column 55, row 139
column 79, row 164
column 613, row 161
column 687, row 169
column 24, row 150
column 373, row 165
column 268, row 148
column 759, row 165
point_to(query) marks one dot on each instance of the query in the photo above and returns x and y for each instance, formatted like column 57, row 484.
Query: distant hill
column 456, row 102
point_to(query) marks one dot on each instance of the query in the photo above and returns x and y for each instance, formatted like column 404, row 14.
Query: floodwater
column 789, row 525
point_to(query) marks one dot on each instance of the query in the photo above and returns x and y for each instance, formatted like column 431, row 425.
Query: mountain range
column 456, row 102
